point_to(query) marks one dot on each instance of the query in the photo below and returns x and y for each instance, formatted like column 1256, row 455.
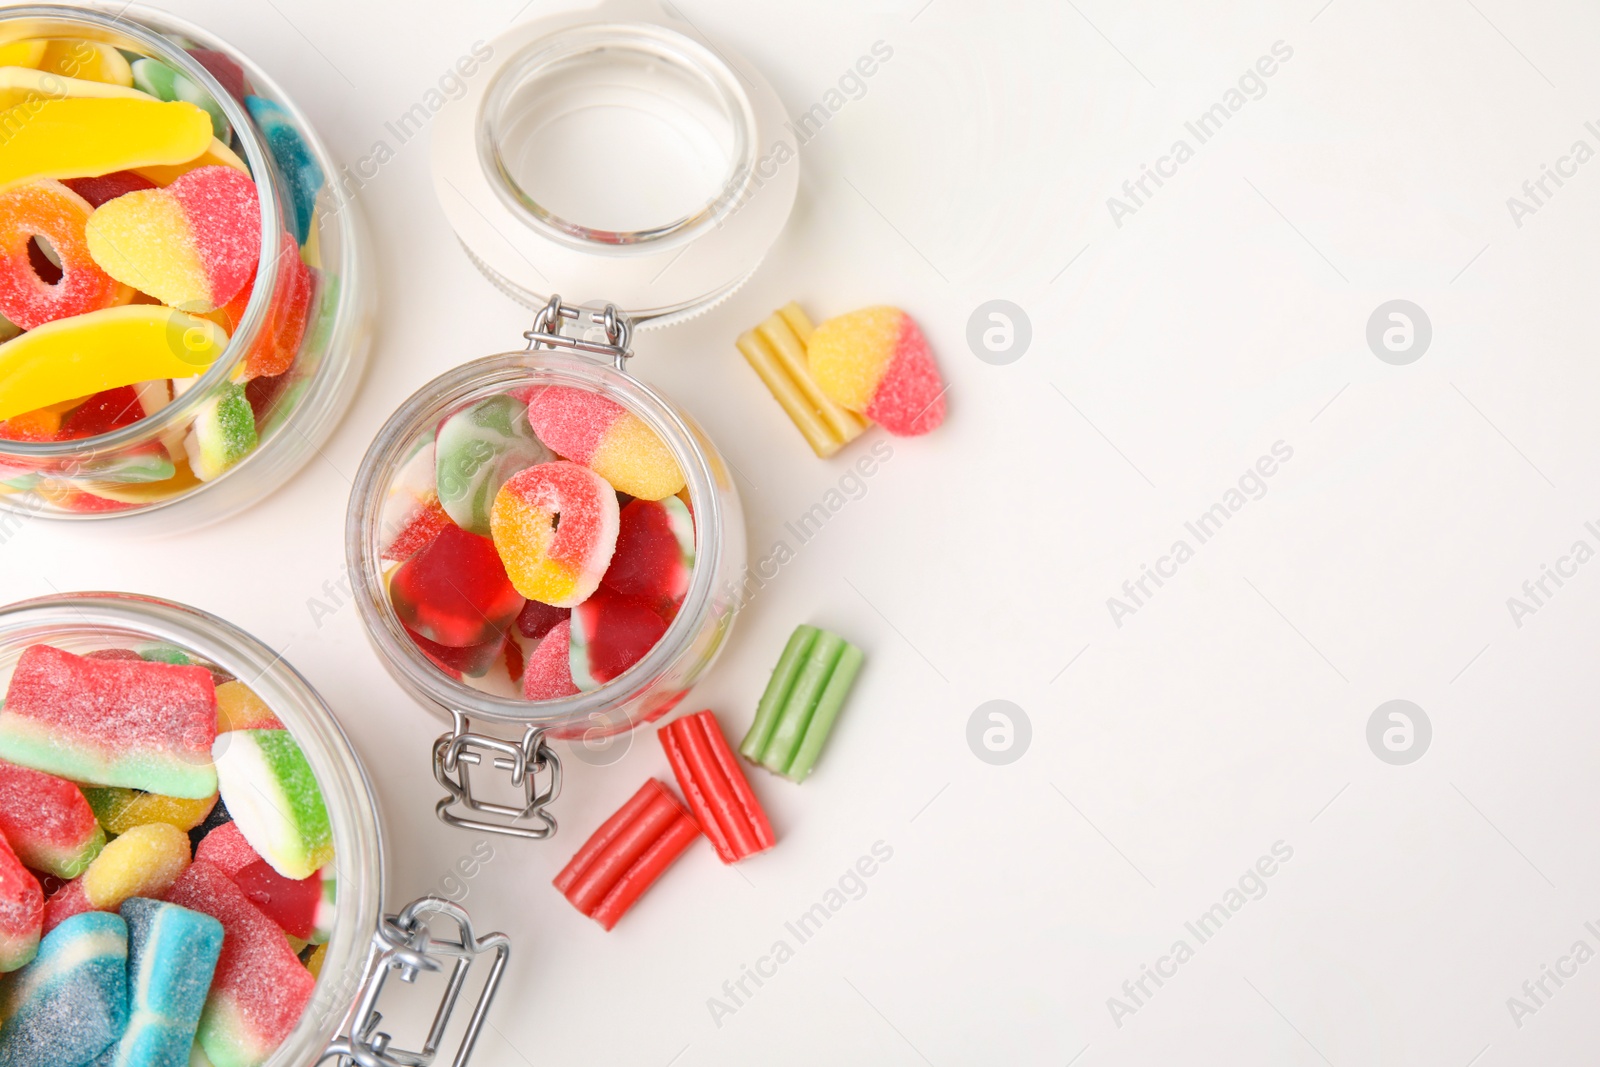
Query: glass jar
column 366, row 947
column 143, row 467
column 648, row 690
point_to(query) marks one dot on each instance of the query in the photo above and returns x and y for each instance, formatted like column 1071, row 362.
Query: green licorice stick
column 828, row 705
column 777, row 693
column 813, row 678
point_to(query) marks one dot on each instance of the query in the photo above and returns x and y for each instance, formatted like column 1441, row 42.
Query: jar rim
column 662, row 44
column 346, row 789
column 420, row 413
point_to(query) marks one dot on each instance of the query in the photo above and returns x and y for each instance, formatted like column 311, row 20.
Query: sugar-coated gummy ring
column 555, row 527
column 54, row 212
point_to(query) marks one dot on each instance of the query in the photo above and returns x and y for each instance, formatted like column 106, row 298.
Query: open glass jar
column 616, row 153
column 647, row 690
column 365, row 947
column 295, row 346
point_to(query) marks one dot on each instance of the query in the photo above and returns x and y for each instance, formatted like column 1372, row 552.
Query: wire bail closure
column 456, row 752
column 552, row 318
column 404, row 945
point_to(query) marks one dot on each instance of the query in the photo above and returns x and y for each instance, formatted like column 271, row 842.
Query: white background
column 1227, row 714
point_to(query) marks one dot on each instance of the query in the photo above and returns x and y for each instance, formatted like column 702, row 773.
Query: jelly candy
column 218, row 818
column 260, row 989
column 80, row 137
column 548, row 672
column 418, row 532
column 48, row 822
column 538, row 619
column 101, row 350
column 53, row 212
column 303, row 907
column 455, row 591
column 64, row 903
column 217, row 155
column 776, row 351
column 278, row 343
column 655, row 551
column 87, row 60
column 627, row 854
column 270, row 789
column 477, row 450
column 225, row 69
column 876, row 362
column 224, row 432
column 473, row 661
column 172, row 955
column 162, row 82
column 21, row 911
column 144, row 862
column 612, row 441
column 71, row 1002
column 25, row 53
column 101, row 188
column 410, row 491
column 112, row 722
column 120, row 810
column 238, row 708
column 299, row 167
column 102, row 413
column 555, row 528
column 226, row 849
column 610, row 633
column 801, row 702
column 193, row 245
column 718, row 794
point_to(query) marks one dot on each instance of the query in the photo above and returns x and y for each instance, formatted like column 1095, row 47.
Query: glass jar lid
column 614, row 156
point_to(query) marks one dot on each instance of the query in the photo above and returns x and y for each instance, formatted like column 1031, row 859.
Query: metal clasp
column 553, row 317
column 405, row 944
column 456, row 752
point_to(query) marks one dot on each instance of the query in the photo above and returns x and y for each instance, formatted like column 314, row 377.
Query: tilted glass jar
column 646, row 691
column 141, row 468
column 366, row 947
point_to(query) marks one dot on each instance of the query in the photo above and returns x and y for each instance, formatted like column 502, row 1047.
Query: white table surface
column 1171, row 752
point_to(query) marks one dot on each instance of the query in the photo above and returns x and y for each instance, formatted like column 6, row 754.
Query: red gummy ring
column 50, row 210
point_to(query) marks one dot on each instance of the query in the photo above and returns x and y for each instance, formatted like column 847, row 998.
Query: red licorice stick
column 590, row 889
column 717, row 791
column 639, row 877
column 602, row 838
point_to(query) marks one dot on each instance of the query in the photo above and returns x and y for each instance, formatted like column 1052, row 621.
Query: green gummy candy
column 224, row 432
column 162, row 82
column 827, row 710
column 808, row 687
column 166, row 654
column 477, row 450
column 272, row 793
column 754, row 745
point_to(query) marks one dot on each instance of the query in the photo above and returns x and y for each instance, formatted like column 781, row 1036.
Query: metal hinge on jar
column 553, row 317
column 530, row 762
column 404, row 944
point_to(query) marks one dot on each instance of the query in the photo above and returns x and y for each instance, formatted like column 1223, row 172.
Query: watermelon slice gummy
column 47, row 822
column 272, row 792
column 260, row 989
column 21, row 911
column 145, row 725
